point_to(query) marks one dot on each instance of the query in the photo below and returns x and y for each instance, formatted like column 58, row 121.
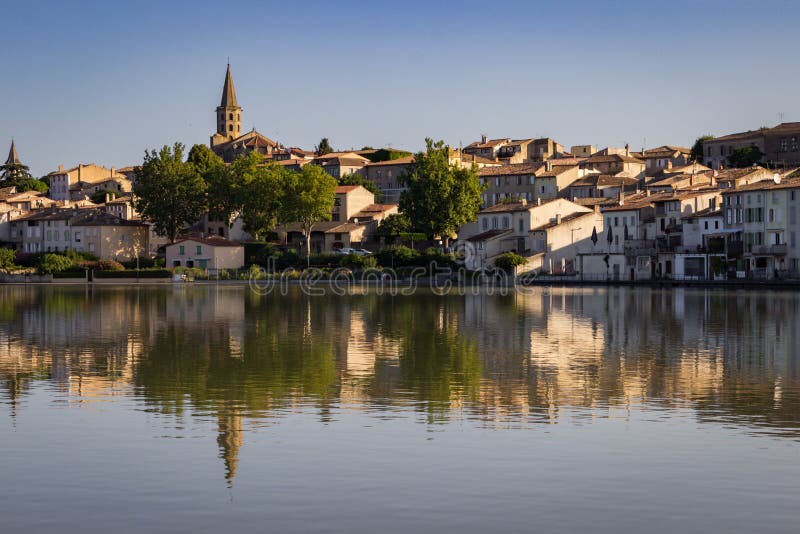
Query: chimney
column 597, row 209
column 113, row 171
column 523, row 201
column 558, row 218
column 622, row 195
column 61, row 168
column 627, row 149
column 548, row 165
column 669, row 164
column 691, row 180
column 484, row 138
column 538, row 201
column 108, row 198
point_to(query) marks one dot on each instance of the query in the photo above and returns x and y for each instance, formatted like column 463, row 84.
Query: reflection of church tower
column 229, row 439
column 229, row 114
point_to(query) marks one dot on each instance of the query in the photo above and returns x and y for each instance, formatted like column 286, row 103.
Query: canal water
column 216, row 409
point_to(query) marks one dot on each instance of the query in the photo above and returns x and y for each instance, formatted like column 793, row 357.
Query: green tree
column 508, row 260
column 307, row 198
column 697, row 149
column 7, row 257
column 357, row 179
column 245, row 189
column 745, row 157
column 439, row 197
column 168, row 191
column 392, row 226
column 324, row 147
column 204, row 159
column 54, row 263
column 18, row 175
column 100, row 196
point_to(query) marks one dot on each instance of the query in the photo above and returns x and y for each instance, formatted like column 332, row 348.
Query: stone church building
column 228, row 141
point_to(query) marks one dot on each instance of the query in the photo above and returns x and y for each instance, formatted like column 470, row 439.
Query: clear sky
column 102, row 81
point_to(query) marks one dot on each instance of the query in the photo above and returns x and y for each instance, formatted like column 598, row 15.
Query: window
column 485, row 223
column 705, row 225
column 181, row 250
column 784, row 144
column 792, row 239
column 230, row 127
column 337, row 236
column 505, row 222
column 616, row 221
column 230, row 116
column 77, row 237
column 91, row 247
column 792, row 215
column 521, row 225
column 198, row 249
column 716, row 225
column 494, row 223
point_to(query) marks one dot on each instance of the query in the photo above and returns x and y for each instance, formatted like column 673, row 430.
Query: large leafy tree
column 204, row 159
column 439, row 197
column 697, row 149
column 168, row 191
column 393, row 226
column 745, row 157
column 307, row 198
column 245, row 189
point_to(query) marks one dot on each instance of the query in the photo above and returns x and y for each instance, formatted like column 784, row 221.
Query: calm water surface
column 213, row 409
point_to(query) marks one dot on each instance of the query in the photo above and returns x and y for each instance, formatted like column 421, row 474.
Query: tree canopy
column 324, row 147
column 307, row 198
column 393, row 226
column 168, row 191
column 357, row 179
column 440, row 197
column 697, row 149
column 745, row 157
column 18, row 175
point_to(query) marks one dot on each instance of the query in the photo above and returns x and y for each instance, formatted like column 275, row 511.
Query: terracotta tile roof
column 708, row 212
column 511, row 170
column 490, row 143
column 375, row 209
column 752, row 134
column 765, row 185
column 489, row 234
column 666, row 150
column 613, row 158
column 211, row 240
column 399, row 161
column 340, row 189
column 565, row 218
column 604, row 180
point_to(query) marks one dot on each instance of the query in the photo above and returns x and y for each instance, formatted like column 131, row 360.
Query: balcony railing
column 771, row 250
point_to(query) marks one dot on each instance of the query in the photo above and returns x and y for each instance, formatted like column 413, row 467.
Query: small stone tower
column 229, row 114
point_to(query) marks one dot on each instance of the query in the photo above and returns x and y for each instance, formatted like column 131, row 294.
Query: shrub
column 76, row 256
column 54, row 263
column 397, row 255
column 110, row 265
column 145, row 262
column 358, row 261
column 7, row 257
column 144, row 273
column 509, row 260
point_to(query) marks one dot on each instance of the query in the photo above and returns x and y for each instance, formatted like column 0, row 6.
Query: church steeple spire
column 13, row 156
column 228, row 91
column 229, row 114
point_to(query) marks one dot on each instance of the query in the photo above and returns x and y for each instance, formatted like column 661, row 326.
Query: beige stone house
column 212, row 253
column 64, row 181
column 341, row 164
column 615, row 164
column 546, row 234
column 354, row 220
column 84, row 230
column 665, row 157
column 780, row 146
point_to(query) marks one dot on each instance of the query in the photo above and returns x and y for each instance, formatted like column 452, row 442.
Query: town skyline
column 138, row 95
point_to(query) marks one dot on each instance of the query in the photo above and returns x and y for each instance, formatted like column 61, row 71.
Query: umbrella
column 626, row 233
column 610, row 236
column 594, row 235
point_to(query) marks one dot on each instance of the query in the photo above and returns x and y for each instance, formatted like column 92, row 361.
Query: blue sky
column 102, row 81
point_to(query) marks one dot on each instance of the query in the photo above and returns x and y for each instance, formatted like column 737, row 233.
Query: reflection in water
column 237, row 359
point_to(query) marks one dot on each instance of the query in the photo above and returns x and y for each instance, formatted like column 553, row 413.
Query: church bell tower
column 229, row 114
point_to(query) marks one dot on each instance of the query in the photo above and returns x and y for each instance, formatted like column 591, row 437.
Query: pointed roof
column 13, row 156
column 228, row 92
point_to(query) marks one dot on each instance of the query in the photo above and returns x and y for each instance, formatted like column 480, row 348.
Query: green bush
column 145, row 262
column 7, row 257
column 76, row 256
column 110, row 265
column 509, row 260
column 397, row 256
column 54, row 263
column 358, row 261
